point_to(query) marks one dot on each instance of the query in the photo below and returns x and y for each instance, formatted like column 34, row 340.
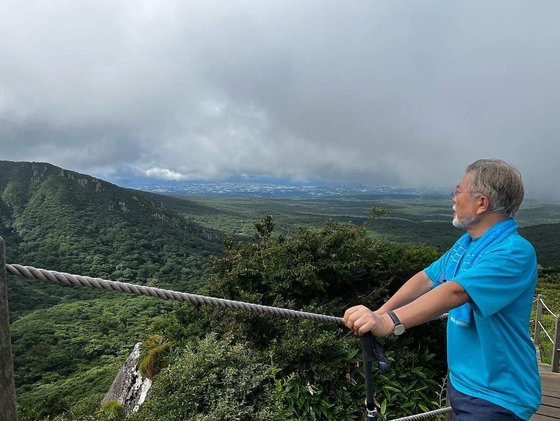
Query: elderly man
column 486, row 282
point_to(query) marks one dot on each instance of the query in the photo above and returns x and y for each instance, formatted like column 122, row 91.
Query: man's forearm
column 432, row 304
column 415, row 287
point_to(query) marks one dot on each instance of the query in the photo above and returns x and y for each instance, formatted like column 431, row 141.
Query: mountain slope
column 70, row 222
column 62, row 220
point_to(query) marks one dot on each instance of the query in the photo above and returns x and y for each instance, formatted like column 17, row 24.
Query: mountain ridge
column 70, row 222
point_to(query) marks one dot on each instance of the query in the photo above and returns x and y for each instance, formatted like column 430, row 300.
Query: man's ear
column 483, row 204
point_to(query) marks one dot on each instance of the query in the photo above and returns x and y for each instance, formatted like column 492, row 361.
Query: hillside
column 70, row 222
column 66, row 221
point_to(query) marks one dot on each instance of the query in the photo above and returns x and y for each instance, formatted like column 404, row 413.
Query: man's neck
column 488, row 220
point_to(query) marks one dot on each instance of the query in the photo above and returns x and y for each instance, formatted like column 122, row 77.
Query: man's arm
column 425, row 308
column 416, row 286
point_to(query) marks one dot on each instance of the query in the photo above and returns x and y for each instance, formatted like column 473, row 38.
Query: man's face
column 465, row 204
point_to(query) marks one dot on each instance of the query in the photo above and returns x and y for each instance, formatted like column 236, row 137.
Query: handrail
column 30, row 272
column 429, row 414
column 539, row 327
column 546, row 333
column 549, row 310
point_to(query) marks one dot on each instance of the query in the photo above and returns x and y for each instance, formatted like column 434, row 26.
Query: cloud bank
column 384, row 92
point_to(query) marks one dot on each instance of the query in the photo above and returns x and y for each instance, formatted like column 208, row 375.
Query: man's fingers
column 351, row 315
column 351, row 320
column 364, row 324
column 360, row 321
column 368, row 327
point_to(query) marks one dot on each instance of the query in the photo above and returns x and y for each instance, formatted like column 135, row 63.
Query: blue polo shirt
column 494, row 358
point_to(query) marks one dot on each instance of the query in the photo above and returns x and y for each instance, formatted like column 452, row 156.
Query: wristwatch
column 399, row 327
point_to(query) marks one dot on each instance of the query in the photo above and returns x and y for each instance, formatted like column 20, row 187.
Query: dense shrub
column 313, row 370
column 212, row 380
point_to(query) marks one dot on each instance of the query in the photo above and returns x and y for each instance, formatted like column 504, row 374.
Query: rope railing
column 546, row 333
column 423, row 415
column 539, row 327
column 30, row 272
column 547, row 309
column 8, row 392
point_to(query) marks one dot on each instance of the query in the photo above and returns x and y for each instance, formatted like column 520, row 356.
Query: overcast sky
column 379, row 92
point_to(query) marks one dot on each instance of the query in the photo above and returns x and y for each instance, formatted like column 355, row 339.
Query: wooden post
column 538, row 315
column 7, row 387
column 448, row 415
column 556, row 347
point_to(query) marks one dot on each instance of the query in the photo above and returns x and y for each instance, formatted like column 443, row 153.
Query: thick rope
column 425, row 414
column 547, row 309
column 30, row 272
column 85, row 281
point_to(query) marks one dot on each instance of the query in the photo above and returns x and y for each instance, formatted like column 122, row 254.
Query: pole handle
column 372, row 351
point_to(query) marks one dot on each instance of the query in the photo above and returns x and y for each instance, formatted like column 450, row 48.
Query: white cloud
column 377, row 92
column 165, row 174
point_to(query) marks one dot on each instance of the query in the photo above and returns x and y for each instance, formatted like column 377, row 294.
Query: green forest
column 319, row 256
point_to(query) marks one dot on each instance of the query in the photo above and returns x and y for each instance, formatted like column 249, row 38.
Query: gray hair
column 500, row 182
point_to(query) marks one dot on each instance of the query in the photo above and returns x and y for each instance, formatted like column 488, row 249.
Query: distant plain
column 411, row 219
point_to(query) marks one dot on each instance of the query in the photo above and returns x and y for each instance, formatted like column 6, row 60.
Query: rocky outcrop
column 129, row 388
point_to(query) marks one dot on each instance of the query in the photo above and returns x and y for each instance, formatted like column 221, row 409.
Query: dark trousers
column 468, row 408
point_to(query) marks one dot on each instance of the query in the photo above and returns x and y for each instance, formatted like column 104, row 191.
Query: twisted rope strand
column 30, row 272
column 424, row 415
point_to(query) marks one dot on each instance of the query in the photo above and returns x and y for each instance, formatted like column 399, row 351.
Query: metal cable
column 85, row 281
column 424, row 415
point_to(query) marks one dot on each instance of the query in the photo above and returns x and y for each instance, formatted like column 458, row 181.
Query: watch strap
column 394, row 318
column 399, row 328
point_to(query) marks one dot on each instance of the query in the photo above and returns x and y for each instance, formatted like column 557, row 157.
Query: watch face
column 399, row 329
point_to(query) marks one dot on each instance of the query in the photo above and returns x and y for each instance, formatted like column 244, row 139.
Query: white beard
column 462, row 223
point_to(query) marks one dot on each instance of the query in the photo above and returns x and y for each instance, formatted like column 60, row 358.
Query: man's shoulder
column 517, row 241
column 515, row 246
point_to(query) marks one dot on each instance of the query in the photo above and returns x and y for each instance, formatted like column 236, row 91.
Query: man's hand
column 361, row 319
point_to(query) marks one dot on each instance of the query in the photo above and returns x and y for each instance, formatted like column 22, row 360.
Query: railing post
column 448, row 415
column 556, row 347
column 538, row 315
column 7, row 388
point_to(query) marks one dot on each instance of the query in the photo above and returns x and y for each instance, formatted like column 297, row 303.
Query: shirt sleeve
column 499, row 277
column 436, row 271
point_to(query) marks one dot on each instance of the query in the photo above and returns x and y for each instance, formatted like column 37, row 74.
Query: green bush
column 315, row 369
column 113, row 411
column 154, row 356
column 212, row 380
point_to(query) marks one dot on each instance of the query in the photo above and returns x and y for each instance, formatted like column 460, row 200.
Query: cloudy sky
column 378, row 92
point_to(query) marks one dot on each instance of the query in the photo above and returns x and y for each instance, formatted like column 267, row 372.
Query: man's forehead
column 466, row 180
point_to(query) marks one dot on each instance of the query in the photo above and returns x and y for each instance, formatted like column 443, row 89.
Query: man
column 486, row 282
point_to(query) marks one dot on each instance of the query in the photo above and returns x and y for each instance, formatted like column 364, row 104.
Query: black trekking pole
column 372, row 351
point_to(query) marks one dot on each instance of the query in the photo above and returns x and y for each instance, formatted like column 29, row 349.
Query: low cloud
column 373, row 92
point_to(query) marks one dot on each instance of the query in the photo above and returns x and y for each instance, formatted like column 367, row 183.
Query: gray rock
column 129, row 388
